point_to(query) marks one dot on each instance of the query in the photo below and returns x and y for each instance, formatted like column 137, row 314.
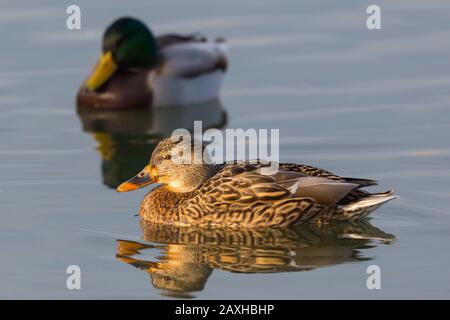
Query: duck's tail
column 362, row 207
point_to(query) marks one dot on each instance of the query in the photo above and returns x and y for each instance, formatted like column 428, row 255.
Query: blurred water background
column 361, row 103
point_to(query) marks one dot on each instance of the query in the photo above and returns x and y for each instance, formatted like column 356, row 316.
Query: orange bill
column 142, row 179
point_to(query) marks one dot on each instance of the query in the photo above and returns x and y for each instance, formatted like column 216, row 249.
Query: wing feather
column 190, row 56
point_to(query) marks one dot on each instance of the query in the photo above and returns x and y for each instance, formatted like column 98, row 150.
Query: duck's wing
column 293, row 194
column 188, row 56
column 318, row 172
column 247, row 183
column 238, row 195
column 233, row 167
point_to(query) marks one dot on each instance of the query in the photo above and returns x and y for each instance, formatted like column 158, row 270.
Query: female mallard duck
column 242, row 195
column 137, row 69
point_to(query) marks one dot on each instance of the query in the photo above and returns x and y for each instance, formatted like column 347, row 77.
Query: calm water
column 363, row 103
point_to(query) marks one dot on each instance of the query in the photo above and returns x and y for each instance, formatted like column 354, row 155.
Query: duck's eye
column 168, row 157
column 141, row 174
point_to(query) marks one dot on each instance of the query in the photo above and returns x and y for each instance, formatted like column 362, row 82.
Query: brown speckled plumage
column 237, row 195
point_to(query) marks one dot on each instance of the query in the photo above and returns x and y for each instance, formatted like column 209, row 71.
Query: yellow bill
column 104, row 69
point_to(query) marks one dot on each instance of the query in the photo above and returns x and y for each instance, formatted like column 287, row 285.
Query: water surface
column 373, row 104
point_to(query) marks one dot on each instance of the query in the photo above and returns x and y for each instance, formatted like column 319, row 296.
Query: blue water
column 362, row 103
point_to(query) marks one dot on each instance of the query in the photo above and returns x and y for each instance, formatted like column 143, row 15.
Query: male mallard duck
column 242, row 195
column 137, row 69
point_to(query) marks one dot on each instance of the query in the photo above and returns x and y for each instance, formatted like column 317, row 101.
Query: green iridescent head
column 127, row 43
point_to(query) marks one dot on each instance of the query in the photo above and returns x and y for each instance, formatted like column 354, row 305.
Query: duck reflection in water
column 188, row 255
column 126, row 138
